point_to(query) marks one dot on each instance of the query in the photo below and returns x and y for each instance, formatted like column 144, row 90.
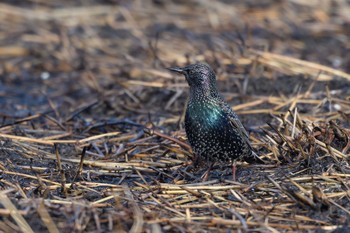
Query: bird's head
column 200, row 77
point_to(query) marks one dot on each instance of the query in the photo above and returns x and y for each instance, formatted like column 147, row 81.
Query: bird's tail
column 253, row 158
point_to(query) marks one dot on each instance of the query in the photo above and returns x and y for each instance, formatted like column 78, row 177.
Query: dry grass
column 91, row 136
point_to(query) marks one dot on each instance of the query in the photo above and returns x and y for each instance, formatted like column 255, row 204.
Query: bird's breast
column 205, row 117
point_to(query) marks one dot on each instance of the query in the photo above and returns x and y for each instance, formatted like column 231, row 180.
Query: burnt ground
column 91, row 135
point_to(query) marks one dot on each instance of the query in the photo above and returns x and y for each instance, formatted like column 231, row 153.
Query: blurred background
column 83, row 81
column 110, row 56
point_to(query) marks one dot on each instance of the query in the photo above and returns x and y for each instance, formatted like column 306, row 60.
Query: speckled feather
column 214, row 131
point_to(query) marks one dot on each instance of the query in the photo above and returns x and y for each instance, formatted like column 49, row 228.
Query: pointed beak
column 177, row 69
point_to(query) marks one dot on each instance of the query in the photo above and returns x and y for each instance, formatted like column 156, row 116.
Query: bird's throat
column 202, row 93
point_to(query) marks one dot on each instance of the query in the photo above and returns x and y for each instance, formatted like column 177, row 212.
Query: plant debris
column 91, row 134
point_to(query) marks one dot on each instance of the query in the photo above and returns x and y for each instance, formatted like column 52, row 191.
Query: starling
column 213, row 130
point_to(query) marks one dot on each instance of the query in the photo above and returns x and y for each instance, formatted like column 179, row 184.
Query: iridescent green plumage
column 213, row 129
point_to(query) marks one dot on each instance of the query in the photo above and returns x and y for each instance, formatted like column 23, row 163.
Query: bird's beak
column 177, row 69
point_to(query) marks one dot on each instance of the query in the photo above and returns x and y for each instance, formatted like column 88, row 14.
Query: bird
column 213, row 129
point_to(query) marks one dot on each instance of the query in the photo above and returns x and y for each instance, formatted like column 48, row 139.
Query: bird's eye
column 191, row 72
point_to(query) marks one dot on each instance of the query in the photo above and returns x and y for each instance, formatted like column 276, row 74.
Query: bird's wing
column 236, row 124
